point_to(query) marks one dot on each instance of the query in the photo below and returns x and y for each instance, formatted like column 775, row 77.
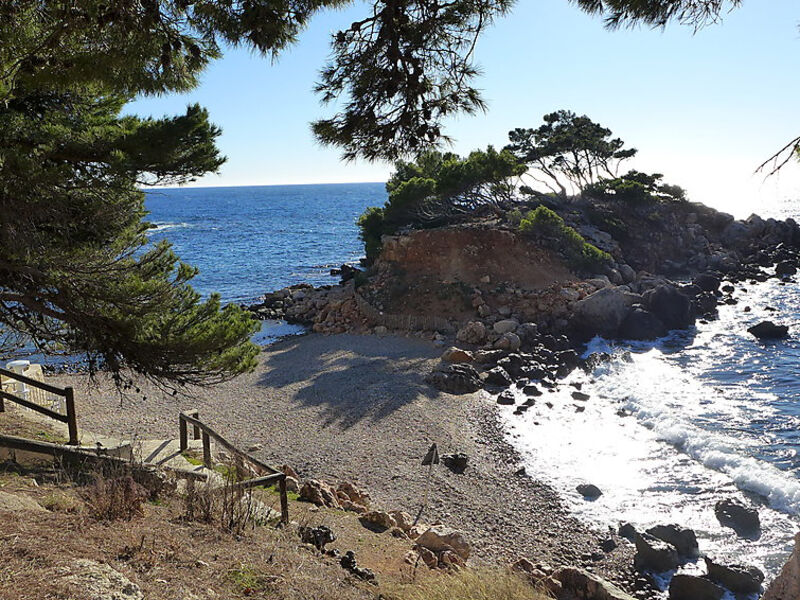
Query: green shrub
column 636, row 187
column 549, row 226
column 371, row 225
column 514, row 217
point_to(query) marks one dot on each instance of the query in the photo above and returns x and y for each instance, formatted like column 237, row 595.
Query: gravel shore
column 356, row 408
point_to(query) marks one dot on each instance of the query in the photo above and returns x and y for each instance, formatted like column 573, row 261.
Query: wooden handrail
column 192, row 417
column 33, row 406
column 69, row 403
column 224, row 443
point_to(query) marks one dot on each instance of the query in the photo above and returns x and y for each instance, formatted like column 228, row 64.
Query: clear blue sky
column 704, row 109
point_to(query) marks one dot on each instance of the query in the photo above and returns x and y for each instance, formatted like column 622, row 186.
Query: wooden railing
column 67, row 393
column 202, row 430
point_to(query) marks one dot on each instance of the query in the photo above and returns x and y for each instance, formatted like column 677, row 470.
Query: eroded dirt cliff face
column 470, row 254
column 436, row 271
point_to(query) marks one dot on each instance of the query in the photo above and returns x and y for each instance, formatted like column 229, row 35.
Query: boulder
column 742, row 519
column 739, row 579
column 473, row 332
column 404, row 520
column 508, row 341
column 354, row 494
column 90, row 580
column 767, row 330
column 497, row 376
column 671, row 306
column 506, row 326
column 589, row 490
column 641, row 324
column 582, row 584
column 457, row 355
column 438, row 538
column 19, row 503
column 627, row 531
column 379, row 518
column 455, row 379
column 684, row 540
column 528, row 333
column 318, row 493
column 513, row 365
column 603, row 311
column 318, row 537
column 785, row 267
column 428, row 557
column 690, row 587
column 787, row 585
column 506, row 398
column 707, row 282
column 654, row 554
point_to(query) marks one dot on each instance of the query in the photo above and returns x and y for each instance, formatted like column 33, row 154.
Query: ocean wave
column 669, row 401
column 158, row 227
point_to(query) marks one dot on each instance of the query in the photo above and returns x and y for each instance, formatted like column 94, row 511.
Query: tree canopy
column 569, row 152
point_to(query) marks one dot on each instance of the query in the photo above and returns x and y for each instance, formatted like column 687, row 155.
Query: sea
column 672, row 426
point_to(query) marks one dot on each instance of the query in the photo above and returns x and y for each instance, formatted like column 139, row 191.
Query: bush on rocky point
column 549, row 227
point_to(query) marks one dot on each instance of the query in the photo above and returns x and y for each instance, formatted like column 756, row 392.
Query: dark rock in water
column 455, row 379
column 705, row 303
column 767, row 330
column 690, row 587
column 594, row 360
column 497, row 376
column 684, row 540
column 785, row 268
column 531, row 390
column 641, row 324
column 670, row 305
column 747, row 309
column 728, row 288
column 457, row 462
column 507, row 398
column 513, row 364
column 653, row 554
column 739, row 579
column 627, row 531
column 589, row 490
column 707, row 282
column 580, row 396
column 569, row 358
column 742, row 519
column 520, row 472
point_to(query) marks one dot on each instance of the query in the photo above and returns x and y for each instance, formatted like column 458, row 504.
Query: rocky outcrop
column 379, row 519
column 455, row 379
column 439, row 538
column 787, row 585
column 654, row 555
column 319, row 493
column 604, row 311
column 742, row 519
column 90, row 580
column 739, row 579
column 690, row 587
column 684, row 540
column 585, row 585
column 767, row 330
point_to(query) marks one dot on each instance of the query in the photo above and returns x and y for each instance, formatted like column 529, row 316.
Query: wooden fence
column 201, row 429
column 67, row 393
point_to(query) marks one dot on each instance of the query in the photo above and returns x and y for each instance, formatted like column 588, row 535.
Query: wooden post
column 2, row 405
column 72, row 422
column 284, row 501
column 184, row 432
column 207, row 450
column 196, row 415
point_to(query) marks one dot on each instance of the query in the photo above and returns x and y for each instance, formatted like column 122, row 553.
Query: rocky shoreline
column 507, row 335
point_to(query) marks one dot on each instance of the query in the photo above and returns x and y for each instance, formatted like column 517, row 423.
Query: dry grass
column 114, row 498
column 469, row 584
column 17, row 421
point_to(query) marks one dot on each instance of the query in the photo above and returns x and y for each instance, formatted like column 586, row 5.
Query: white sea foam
column 158, row 227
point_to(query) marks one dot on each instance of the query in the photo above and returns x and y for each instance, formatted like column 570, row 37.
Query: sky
column 705, row 108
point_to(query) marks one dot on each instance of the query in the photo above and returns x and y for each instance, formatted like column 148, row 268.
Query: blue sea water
column 247, row 241
column 707, row 413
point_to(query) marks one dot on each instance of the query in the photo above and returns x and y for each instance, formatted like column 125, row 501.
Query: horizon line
column 243, row 185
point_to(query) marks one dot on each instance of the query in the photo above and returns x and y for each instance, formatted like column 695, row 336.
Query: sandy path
column 356, row 408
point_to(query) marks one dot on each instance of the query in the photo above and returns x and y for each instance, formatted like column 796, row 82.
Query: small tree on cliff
column 569, row 152
column 439, row 187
